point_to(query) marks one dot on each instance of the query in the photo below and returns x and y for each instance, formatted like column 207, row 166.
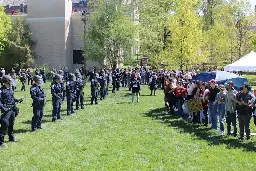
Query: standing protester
column 79, row 91
column 56, row 91
column 180, row 92
column 213, row 107
column 94, row 90
column 220, row 101
column 231, row 109
column 153, row 84
column 135, row 84
column 70, row 93
column 8, row 109
column 38, row 97
column 245, row 101
column 205, row 98
column 13, row 76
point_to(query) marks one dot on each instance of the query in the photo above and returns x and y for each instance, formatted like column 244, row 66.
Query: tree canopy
column 110, row 32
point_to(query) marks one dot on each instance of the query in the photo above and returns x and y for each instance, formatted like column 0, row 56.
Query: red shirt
column 179, row 92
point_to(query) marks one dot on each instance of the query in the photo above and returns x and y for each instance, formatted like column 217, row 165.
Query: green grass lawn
column 118, row 135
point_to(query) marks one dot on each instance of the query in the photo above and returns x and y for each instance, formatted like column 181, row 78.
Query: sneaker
column 248, row 138
column 54, row 119
column 221, row 132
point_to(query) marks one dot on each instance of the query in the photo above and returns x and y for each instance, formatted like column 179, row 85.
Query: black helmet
column 71, row 76
column 37, row 78
column 6, row 79
column 56, row 77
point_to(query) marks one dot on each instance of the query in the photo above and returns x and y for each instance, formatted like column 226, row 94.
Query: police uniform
column 103, row 86
column 94, row 90
column 56, row 91
column 79, row 91
column 8, row 109
column 42, row 72
column 70, row 93
column 38, row 97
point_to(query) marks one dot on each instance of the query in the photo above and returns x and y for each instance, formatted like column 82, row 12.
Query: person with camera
column 8, row 109
column 245, row 100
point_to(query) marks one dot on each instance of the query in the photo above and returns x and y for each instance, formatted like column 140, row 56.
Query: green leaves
column 110, row 32
column 182, row 33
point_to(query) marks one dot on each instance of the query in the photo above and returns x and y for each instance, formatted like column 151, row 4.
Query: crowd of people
column 209, row 103
column 191, row 99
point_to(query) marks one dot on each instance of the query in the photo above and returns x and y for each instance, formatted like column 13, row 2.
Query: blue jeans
column 213, row 114
column 221, row 113
column 179, row 106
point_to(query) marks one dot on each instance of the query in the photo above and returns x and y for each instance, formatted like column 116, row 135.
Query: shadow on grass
column 29, row 121
column 21, row 131
column 200, row 132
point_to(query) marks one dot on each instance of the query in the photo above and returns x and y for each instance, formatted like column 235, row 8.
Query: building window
column 78, row 57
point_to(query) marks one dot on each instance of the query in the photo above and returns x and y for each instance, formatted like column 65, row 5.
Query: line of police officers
column 64, row 84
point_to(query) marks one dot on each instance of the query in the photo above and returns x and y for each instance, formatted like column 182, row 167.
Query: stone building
column 58, row 32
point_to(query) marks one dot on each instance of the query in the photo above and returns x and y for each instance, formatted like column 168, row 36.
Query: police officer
column 38, row 97
column 103, row 85
column 62, row 82
column 94, row 90
column 56, row 91
column 70, row 93
column 79, row 91
column 43, row 74
column 8, row 109
column 114, row 81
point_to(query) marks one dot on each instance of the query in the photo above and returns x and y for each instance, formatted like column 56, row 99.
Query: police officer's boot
column 12, row 138
column 2, row 141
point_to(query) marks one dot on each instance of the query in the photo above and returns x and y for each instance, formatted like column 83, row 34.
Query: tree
column 154, row 29
column 187, row 36
column 5, row 28
column 110, row 32
column 18, row 49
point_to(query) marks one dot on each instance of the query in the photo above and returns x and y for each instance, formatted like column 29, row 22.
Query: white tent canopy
column 246, row 63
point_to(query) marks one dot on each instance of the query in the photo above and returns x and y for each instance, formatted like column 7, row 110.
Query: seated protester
column 170, row 97
column 245, row 100
column 205, row 98
column 180, row 92
column 231, row 109
column 220, row 101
